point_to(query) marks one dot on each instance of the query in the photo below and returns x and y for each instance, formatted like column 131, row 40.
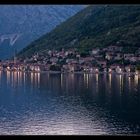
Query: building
column 119, row 69
column 114, row 48
column 95, row 51
column 35, row 68
column 118, row 56
column 109, row 55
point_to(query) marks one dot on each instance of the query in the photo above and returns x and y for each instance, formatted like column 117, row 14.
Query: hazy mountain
column 94, row 26
column 30, row 22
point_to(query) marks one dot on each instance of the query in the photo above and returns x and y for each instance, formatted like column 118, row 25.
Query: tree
column 55, row 68
column 138, row 67
column 84, row 54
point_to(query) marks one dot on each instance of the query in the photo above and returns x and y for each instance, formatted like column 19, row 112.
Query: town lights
column 91, row 69
column 72, row 69
column 136, row 73
column 119, row 70
column 96, row 70
column 8, row 68
column 110, row 70
column 38, row 69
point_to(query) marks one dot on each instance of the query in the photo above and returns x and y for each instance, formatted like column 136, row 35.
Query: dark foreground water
column 83, row 104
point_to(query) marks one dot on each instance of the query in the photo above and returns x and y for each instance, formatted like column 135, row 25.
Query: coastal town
column 105, row 60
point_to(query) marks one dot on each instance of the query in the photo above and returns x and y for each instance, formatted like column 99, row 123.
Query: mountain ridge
column 94, row 26
column 32, row 21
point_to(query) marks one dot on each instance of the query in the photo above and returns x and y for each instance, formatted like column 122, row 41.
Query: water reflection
column 97, row 80
column 61, row 80
column 70, row 83
column 129, row 83
column 86, row 79
column 8, row 77
column 121, row 83
column 73, row 83
column 110, row 80
column 136, row 80
column 69, row 103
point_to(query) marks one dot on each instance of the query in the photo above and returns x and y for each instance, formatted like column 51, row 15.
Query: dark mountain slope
column 95, row 26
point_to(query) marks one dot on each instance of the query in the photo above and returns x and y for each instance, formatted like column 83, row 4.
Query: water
column 72, row 104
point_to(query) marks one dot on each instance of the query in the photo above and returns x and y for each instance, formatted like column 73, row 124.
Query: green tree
column 138, row 67
column 55, row 68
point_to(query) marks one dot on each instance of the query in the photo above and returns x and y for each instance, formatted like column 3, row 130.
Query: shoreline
column 59, row 72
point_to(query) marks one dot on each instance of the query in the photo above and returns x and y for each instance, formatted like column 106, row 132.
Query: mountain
column 29, row 22
column 94, row 26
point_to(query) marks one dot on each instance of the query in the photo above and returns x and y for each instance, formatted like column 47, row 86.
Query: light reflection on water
column 34, row 103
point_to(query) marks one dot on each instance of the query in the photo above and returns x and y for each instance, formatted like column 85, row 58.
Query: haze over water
column 84, row 104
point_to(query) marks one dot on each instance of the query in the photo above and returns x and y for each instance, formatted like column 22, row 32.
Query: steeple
column 15, row 54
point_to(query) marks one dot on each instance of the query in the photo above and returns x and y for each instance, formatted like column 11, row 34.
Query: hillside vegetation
column 95, row 26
